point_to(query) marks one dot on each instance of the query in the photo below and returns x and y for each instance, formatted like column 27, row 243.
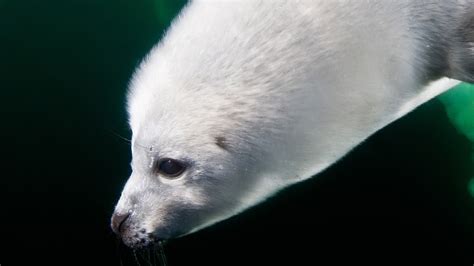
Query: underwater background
column 64, row 68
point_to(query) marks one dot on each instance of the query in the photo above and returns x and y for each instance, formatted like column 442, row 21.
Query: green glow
column 167, row 10
column 459, row 104
column 470, row 187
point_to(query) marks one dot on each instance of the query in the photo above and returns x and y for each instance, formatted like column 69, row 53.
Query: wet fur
column 257, row 95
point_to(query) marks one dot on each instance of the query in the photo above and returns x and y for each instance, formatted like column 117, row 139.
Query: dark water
column 64, row 69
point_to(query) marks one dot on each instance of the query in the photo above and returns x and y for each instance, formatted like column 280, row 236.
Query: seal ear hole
column 221, row 142
column 169, row 168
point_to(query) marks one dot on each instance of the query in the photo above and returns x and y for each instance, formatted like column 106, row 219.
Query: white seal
column 243, row 98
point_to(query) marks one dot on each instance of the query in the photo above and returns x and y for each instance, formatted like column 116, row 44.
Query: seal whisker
column 117, row 248
column 162, row 253
column 120, row 137
column 142, row 253
column 136, row 258
column 149, row 258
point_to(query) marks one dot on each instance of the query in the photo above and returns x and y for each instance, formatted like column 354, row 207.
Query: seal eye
column 170, row 168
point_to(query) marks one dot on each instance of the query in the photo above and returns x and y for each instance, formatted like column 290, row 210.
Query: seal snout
column 132, row 235
column 118, row 220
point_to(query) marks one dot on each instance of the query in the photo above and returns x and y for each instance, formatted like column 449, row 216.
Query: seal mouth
column 141, row 240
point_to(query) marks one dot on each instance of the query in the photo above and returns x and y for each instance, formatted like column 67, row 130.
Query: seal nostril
column 117, row 222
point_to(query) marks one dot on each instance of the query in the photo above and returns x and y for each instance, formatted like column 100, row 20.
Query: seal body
column 249, row 97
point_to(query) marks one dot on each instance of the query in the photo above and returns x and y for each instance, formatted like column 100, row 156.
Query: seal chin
column 140, row 240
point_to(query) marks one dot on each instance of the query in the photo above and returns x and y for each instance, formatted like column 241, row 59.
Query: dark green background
column 64, row 69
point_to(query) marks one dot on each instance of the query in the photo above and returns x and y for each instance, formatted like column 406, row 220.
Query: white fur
column 292, row 86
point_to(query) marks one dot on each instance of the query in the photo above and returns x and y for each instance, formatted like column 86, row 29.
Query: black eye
column 170, row 168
